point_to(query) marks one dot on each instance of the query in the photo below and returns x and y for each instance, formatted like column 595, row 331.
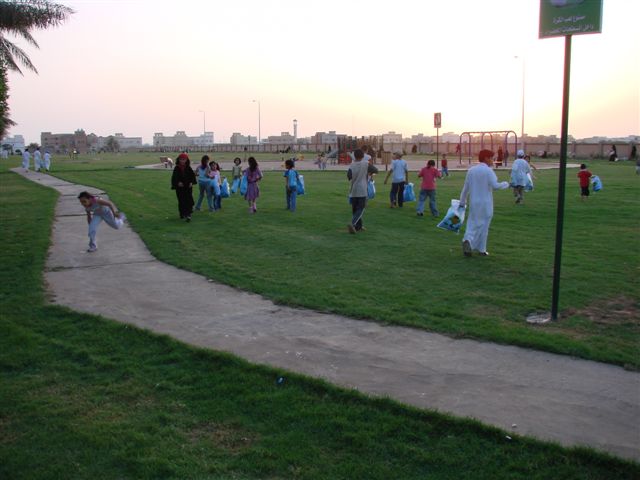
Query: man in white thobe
column 478, row 189
column 47, row 160
column 519, row 171
column 26, row 158
column 37, row 160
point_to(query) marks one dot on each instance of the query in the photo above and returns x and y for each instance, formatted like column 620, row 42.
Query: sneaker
column 484, row 254
column 188, row 218
column 122, row 217
column 466, row 248
column 351, row 228
column 420, row 214
column 92, row 249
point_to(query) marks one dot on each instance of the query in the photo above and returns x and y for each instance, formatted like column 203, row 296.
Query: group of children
column 360, row 173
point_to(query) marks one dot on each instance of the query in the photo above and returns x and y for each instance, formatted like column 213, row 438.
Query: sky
column 357, row 67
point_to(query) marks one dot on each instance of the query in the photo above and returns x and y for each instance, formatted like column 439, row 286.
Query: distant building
column 285, row 138
column 124, row 143
column 182, row 140
column 16, row 142
column 239, row 139
column 322, row 138
column 65, row 142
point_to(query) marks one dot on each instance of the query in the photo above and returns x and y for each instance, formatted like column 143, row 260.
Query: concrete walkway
column 551, row 397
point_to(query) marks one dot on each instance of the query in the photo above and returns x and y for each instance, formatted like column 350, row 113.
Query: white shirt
column 519, row 171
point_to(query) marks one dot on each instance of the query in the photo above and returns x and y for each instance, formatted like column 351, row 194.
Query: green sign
column 569, row 17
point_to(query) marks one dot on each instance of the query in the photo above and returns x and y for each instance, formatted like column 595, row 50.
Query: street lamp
column 258, row 102
column 522, row 119
column 204, row 121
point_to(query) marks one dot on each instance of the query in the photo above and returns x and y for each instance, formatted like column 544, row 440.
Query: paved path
column 547, row 396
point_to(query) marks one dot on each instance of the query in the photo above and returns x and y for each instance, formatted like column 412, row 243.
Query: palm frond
column 25, row 34
column 26, row 14
column 9, row 53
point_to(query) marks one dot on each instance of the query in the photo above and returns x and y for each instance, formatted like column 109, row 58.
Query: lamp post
column 522, row 119
column 258, row 102
column 204, row 121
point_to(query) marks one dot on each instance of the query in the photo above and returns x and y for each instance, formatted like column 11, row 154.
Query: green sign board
column 569, row 17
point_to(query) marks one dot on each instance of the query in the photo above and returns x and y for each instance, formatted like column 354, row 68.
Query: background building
column 182, row 140
column 16, row 143
column 239, row 139
column 65, row 142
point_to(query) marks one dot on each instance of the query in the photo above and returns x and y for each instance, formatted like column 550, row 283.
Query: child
column 182, row 181
column 236, row 174
column 400, row 172
column 214, row 175
column 584, row 175
column 254, row 175
column 291, row 185
column 428, row 188
column 98, row 210
column 445, row 165
column 358, row 174
column 204, row 183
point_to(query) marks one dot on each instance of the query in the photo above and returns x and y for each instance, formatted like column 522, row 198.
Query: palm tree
column 18, row 18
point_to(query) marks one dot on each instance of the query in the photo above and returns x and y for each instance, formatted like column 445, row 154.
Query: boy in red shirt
column 444, row 163
column 584, row 175
column 428, row 188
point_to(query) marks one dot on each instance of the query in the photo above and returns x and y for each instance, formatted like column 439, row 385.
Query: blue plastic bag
column 371, row 189
column 529, row 186
column 454, row 217
column 300, row 184
column 224, row 189
column 215, row 186
column 244, row 184
column 235, row 185
column 408, row 194
column 597, row 183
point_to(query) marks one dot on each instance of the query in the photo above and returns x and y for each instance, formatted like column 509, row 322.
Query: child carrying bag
column 454, row 217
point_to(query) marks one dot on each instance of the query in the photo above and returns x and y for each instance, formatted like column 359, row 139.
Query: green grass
column 85, row 397
column 405, row 271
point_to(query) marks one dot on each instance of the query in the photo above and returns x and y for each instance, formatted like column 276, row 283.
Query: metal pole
column 259, row 133
column 437, row 146
column 564, row 135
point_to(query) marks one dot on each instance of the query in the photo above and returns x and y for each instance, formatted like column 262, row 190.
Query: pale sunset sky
column 357, row 67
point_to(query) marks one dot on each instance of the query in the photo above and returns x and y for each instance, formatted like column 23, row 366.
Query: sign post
column 437, row 123
column 565, row 18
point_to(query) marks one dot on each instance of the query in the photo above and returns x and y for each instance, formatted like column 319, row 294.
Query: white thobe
column 47, row 161
column 478, row 189
column 519, row 171
column 26, row 157
column 37, row 157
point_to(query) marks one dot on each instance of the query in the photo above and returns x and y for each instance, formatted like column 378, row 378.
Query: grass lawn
column 85, row 397
column 403, row 270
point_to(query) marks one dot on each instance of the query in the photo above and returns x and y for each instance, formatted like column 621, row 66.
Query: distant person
column 458, row 149
column 47, row 161
column 400, row 172
column 26, row 159
column 613, row 154
column 633, row 153
column 204, row 184
column 478, row 189
column 500, row 157
column 444, row 163
column 98, row 210
column 236, row 174
column 528, row 159
column 216, row 184
column 519, row 171
column 358, row 174
column 254, row 175
column 37, row 160
column 584, row 177
column 290, row 185
column 182, row 181
column 428, row 188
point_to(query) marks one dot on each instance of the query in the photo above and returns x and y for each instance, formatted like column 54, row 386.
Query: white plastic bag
column 454, row 217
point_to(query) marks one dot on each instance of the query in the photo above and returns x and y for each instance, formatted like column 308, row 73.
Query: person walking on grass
column 400, row 172
column 519, row 171
column 182, row 181
column 584, row 177
column 204, row 184
column 254, row 175
column 291, row 185
column 444, row 163
column 216, row 181
column 26, row 159
column 478, row 189
column 47, row 160
column 236, row 174
column 98, row 210
column 37, row 160
column 428, row 188
column 358, row 174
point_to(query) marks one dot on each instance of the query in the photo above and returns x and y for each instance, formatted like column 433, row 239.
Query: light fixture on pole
column 204, row 121
column 258, row 102
column 522, row 119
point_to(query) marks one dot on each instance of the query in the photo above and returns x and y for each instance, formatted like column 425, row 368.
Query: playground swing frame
column 506, row 134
